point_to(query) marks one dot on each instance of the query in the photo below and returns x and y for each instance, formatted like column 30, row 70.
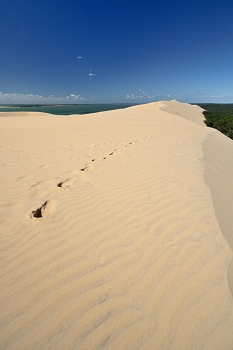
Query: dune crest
column 131, row 245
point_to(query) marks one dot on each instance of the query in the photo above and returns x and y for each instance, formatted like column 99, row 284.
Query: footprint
column 87, row 168
column 46, row 209
column 66, row 183
column 84, row 169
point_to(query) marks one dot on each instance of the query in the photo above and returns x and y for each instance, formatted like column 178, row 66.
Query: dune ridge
column 129, row 248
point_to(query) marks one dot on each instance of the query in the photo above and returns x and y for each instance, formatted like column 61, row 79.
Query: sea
column 59, row 109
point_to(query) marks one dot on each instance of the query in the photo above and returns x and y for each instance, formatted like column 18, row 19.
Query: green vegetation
column 219, row 116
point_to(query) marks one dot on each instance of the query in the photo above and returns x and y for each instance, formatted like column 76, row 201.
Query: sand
column 116, row 230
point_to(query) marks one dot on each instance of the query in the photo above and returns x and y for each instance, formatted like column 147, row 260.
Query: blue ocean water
column 64, row 109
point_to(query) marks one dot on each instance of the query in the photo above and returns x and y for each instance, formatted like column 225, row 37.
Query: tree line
column 219, row 116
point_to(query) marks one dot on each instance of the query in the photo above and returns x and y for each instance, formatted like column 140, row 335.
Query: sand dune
column 116, row 231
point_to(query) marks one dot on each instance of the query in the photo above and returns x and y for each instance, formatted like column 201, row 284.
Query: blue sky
column 105, row 51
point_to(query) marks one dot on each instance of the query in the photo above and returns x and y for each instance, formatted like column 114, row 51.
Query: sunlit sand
column 116, row 230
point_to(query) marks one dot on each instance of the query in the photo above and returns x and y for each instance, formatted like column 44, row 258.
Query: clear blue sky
column 96, row 51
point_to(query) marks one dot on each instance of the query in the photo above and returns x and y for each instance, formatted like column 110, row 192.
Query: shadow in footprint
column 46, row 209
column 38, row 212
column 66, row 183
column 87, row 168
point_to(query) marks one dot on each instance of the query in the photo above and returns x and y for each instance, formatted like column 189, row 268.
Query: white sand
column 135, row 240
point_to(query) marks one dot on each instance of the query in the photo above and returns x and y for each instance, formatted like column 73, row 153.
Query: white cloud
column 80, row 57
column 15, row 98
column 143, row 95
column 217, row 96
column 91, row 73
column 190, row 97
column 132, row 96
column 76, row 97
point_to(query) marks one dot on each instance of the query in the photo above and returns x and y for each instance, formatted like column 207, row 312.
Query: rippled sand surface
column 115, row 231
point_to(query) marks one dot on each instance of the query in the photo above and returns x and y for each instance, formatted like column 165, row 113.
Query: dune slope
column 111, row 232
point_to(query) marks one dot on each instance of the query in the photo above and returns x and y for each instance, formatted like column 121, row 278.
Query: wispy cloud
column 80, row 57
column 141, row 95
column 207, row 95
column 15, row 98
column 130, row 96
column 75, row 97
column 216, row 96
column 199, row 92
column 91, row 74
column 194, row 96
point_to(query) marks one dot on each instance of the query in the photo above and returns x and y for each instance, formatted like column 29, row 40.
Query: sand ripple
column 127, row 252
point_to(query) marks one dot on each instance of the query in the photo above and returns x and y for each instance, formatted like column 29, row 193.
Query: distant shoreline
column 65, row 109
column 63, row 104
